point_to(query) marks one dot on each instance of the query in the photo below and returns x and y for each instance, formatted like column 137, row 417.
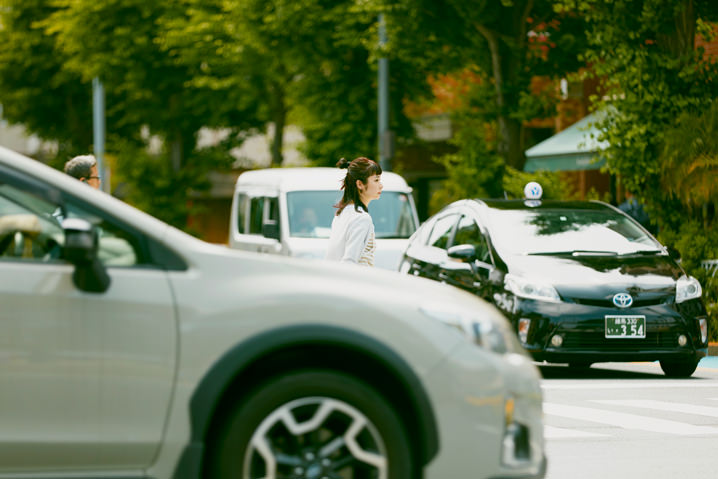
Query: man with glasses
column 84, row 168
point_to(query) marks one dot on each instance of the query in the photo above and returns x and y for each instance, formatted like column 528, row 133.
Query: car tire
column 679, row 368
column 313, row 424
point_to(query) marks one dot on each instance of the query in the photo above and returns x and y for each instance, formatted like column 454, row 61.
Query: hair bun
column 343, row 163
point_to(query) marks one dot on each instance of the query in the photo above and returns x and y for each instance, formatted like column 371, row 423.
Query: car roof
column 542, row 204
column 310, row 178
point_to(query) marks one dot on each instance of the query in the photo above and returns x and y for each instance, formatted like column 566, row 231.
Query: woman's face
column 371, row 190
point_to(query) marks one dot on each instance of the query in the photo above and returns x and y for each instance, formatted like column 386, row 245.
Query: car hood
column 599, row 276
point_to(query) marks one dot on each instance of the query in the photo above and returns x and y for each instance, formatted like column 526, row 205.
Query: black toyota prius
column 581, row 281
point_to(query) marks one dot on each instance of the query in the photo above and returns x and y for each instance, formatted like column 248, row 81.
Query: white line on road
column 553, row 432
column 626, row 421
column 549, row 385
column 662, row 406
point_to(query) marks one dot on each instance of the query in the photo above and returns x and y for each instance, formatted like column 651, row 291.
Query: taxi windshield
column 568, row 231
column 311, row 213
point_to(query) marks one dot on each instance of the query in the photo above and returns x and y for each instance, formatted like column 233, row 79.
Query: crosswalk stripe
column 628, row 385
column 626, row 421
column 553, row 432
column 662, row 406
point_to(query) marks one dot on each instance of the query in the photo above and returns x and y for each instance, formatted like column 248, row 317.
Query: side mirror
column 270, row 229
column 462, row 252
column 673, row 253
column 80, row 249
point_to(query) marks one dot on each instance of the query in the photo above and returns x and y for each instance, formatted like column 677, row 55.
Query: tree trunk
column 680, row 39
column 279, row 117
column 508, row 54
column 176, row 151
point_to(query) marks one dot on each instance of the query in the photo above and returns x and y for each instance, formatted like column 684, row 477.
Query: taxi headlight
column 484, row 332
column 531, row 288
column 687, row 287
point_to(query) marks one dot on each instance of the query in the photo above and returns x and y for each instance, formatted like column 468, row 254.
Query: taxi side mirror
column 462, row 252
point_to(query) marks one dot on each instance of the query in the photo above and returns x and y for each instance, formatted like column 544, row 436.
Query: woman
column 352, row 236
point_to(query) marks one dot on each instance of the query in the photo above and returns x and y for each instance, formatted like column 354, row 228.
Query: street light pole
column 98, row 132
column 385, row 137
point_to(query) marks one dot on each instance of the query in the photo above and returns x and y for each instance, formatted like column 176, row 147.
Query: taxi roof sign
column 533, row 191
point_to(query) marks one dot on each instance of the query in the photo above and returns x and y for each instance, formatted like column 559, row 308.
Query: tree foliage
column 510, row 41
column 35, row 88
column 662, row 138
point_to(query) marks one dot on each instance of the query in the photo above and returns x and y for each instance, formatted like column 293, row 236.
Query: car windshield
column 568, row 231
column 311, row 214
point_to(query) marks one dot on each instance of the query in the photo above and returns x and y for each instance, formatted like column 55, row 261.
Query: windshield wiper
column 643, row 252
column 575, row 252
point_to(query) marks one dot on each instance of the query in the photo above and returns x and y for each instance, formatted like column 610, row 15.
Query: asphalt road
column 628, row 421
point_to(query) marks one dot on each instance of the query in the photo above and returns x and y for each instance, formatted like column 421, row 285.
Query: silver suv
column 130, row 349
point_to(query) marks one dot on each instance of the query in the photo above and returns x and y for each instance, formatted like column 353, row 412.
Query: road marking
column 627, row 421
column 553, row 432
column 640, row 384
column 662, row 406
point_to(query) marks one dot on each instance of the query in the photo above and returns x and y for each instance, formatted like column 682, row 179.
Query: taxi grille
column 637, row 303
column 591, row 340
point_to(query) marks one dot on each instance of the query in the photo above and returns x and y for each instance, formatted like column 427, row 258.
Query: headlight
column 483, row 332
column 687, row 287
column 531, row 289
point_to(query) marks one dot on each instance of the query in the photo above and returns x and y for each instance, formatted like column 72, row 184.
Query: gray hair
column 80, row 166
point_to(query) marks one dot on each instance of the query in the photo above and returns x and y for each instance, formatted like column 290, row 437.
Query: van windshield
column 311, row 214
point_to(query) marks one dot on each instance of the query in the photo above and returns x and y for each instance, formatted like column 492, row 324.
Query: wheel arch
column 249, row 363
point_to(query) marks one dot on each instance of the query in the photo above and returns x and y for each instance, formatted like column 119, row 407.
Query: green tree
column 311, row 63
column 35, row 88
column 510, row 41
column 662, row 136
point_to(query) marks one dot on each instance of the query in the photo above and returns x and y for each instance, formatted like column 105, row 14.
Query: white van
column 289, row 211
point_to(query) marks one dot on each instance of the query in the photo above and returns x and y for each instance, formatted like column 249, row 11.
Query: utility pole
column 386, row 138
column 98, row 132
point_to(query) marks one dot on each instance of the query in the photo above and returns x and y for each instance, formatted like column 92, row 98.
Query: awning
column 574, row 148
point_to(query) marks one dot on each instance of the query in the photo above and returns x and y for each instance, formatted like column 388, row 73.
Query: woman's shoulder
column 350, row 211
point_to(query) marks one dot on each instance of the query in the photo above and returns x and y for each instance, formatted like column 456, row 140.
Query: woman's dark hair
column 358, row 169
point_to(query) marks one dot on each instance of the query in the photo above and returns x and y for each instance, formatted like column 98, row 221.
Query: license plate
column 625, row 326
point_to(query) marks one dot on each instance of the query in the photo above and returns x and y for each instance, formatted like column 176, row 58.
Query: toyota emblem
column 622, row 300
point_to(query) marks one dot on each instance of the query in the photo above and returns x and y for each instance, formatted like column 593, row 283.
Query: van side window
column 241, row 213
column 273, row 212
column 256, row 215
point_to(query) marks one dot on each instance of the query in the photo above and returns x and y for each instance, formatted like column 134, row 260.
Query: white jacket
column 352, row 237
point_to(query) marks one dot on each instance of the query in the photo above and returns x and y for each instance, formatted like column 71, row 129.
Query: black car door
column 470, row 275
column 428, row 253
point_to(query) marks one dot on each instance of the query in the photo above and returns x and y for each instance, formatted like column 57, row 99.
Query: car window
column 468, row 232
column 272, row 209
column 256, row 215
column 30, row 228
column 392, row 215
column 242, row 201
column 311, row 214
column 439, row 237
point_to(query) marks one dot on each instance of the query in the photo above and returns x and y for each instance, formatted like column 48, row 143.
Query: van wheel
column 679, row 369
column 313, row 424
